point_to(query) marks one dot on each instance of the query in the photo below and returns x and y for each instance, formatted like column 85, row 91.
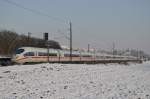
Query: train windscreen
column 19, row 51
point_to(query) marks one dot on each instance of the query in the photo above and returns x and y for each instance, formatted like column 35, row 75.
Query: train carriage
column 34, row 55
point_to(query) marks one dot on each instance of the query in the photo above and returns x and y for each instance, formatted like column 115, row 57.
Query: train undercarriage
column 4, row 61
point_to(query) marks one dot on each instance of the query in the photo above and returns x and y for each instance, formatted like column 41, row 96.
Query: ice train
column 34, row 54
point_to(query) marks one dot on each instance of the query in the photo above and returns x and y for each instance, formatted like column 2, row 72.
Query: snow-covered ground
column 75, row 81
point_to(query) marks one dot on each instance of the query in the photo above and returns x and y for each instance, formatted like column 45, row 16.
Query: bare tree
column 10, row 41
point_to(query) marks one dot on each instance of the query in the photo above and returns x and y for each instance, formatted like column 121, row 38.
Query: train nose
column 15, row 57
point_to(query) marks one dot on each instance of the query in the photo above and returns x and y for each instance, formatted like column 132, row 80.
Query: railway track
column 5, row 61
column 92, row 62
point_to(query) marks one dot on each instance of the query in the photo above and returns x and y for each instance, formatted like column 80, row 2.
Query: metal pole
column 88, row 47
column 70, row 41
column 137, row 54
column 113, row 50
column 47, row 44
column 29, row 35
column 94, row 55
column 48, row 52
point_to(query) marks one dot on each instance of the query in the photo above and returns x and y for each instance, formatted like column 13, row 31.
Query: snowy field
column 75, row 81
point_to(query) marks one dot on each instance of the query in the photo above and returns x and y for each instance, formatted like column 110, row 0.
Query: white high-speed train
column 34, row 54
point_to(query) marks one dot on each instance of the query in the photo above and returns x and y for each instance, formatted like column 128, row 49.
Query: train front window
column 19, row 51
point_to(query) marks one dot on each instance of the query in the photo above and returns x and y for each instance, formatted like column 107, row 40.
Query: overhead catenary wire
column 34, row 11
column 38, row 12
column 43, row 14
column 64, row 35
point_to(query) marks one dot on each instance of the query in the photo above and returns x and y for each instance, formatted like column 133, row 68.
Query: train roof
column 38, row 49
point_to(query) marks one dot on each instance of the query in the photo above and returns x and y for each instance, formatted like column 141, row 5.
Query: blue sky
column 97, row 22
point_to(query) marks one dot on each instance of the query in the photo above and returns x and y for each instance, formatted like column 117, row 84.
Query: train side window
column 42, row 54
column 45, row 54
column 86, row 56
column 29, row 54
column 52, row 54
column 74, row 55
column 67, row 55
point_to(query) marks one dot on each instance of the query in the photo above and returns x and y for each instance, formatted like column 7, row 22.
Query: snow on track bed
column 71, row 81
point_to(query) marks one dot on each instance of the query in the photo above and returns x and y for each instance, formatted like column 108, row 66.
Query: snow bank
column 75, row 81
